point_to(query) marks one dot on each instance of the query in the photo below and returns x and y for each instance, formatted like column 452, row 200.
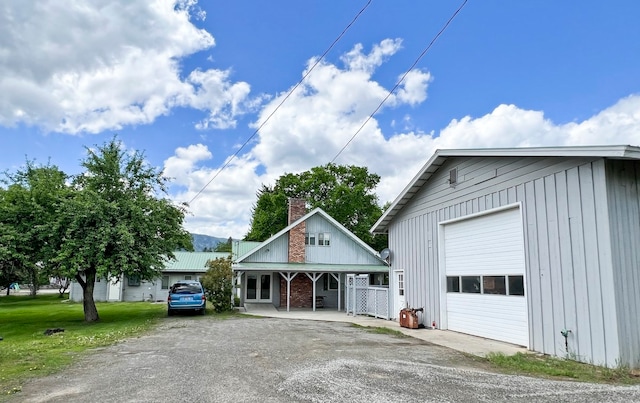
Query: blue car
column 186, row 296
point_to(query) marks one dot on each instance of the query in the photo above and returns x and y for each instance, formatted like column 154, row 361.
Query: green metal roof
column 192, row 261
column 311, row 267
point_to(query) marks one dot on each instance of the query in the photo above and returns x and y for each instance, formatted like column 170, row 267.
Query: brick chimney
column 297, row 209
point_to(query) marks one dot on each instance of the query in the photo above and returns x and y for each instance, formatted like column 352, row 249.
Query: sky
column 196, row 86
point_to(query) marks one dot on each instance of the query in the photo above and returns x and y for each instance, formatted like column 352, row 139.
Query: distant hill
column 205, row 241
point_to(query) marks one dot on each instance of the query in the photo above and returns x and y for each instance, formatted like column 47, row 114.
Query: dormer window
column 310, row 239
column 324, row 239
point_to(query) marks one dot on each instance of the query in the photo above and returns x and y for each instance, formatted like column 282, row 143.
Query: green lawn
column 558, row 368
column 26, row 351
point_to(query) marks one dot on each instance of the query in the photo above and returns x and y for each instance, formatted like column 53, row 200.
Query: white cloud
column 325, row 112
column 88, row 67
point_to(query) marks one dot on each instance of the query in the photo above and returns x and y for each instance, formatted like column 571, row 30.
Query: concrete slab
column 457, row 341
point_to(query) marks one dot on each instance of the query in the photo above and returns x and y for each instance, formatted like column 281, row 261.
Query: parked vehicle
column 186, row 296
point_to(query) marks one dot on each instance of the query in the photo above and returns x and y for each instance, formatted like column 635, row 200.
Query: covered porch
column 293, row 286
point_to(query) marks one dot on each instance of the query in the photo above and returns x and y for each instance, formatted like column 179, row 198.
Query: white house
column 187, row 266
column 307, row 263
column 532, row 246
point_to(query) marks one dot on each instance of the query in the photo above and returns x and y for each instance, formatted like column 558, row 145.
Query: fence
column 362, row 299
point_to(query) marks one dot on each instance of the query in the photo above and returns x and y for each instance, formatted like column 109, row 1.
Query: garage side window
column 165, row 282
column 494, row 285
column 471, row 284
column 453, row 284
column 516, row 285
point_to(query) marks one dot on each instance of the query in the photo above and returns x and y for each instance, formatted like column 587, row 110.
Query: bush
column 218, row 284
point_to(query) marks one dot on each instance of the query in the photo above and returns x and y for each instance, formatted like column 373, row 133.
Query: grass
column 558, row 368
column 26, row 352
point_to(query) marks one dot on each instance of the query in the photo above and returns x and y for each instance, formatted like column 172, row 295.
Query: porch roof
column 311, row 267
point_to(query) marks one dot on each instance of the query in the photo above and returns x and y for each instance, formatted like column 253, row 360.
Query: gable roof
column 440, row 156
column 192, row 261
column 316, row 211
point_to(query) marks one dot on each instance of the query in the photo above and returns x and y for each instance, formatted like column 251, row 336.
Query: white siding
column 624, row 203
column 486, row 245
column 567, row 253
column 342, row 250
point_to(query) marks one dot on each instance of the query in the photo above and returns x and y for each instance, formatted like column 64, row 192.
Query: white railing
column 361, row 299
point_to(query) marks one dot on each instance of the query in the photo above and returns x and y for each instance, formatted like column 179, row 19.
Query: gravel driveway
column 200, row 359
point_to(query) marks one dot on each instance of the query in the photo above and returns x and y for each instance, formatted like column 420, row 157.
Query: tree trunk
column 89, row 305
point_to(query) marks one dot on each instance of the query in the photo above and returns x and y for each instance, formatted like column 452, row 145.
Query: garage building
column 532, row 246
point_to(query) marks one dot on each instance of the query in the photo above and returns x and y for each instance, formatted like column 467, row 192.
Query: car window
column 186, row 289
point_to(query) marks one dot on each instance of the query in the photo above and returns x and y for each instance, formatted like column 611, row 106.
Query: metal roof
column 311, row 267
column 192, row 261
column 440, row 156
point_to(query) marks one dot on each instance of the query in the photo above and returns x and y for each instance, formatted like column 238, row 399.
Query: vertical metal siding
column 623, row 178
column 564, row 213
column 342, row 250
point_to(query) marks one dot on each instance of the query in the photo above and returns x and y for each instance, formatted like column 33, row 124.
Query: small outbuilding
column 186, row 266
column 532, row 246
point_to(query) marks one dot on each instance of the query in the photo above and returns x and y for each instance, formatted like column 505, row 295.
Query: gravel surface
column 245, row 359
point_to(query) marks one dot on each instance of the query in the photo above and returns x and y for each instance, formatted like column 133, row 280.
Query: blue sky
column 189, row 82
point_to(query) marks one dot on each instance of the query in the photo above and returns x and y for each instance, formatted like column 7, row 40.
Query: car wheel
column 170, row 312
column 203, row 311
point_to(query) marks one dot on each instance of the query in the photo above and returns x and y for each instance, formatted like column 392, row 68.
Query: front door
column 398, row 289
column 258, row 287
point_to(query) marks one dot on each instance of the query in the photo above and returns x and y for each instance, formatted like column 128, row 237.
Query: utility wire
column 226, row 164
column 395, row 87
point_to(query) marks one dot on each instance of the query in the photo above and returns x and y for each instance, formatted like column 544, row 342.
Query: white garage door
column 485, row 276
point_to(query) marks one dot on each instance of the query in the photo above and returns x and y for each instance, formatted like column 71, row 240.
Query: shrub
column 218, row 284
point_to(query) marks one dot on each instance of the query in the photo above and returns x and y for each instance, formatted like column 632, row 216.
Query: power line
column 435, row 38
column 226, row 164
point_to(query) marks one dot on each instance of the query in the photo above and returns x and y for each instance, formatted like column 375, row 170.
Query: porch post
column 314, row 277
column 337, row 277
column 238, row 281
column 287, row 276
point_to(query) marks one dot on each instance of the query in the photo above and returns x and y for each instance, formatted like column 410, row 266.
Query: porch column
column 314, row 277
column 238, row 281
column 337, row 277
column 288, row 276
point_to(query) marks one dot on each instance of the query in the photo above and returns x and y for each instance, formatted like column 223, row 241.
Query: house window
column 379, row 279
column 324, row 239
column 187, row 277
column 165, row 282
column 309, row 239
column 330, row 283
column 133, row 281
column 401, row 284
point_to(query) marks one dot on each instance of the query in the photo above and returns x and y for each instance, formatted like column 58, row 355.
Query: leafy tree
column 224, row 246
column 27, row 208
column 114, row 225
column 345, row 192
column 218, row 284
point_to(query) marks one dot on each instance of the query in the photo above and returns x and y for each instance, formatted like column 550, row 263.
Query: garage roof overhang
column 440, row 156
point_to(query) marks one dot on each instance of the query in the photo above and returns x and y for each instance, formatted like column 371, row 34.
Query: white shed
column 532, row 246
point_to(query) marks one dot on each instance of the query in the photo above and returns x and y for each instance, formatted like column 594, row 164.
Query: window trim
column 324, row 239
column 133, row 281
column 506, row 277
column 310, row 239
